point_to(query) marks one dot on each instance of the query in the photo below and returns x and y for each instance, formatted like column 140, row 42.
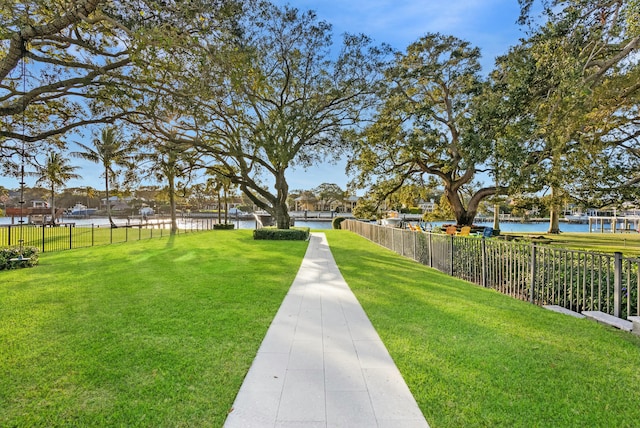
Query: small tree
column 109, row 150
column 55, row 173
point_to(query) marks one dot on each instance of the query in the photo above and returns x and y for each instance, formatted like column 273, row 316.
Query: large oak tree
column 426, row 125
column 278, row 98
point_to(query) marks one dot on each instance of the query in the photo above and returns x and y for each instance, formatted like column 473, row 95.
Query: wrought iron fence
column 576, row 280
column 67, row 236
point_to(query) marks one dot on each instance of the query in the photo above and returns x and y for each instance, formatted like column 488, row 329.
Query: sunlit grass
column 473, row 357
column 151, row 333
column 626, row 243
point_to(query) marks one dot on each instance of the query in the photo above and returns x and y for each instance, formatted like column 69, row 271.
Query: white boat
column 82, row 210
column 392, row 220
column 146, row 211
column 576, row 218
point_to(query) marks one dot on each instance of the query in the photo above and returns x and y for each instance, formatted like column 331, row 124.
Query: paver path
column 321, row 363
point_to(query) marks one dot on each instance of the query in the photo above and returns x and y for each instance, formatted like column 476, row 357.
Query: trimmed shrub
column 29, row 255
column 270, row 233
column 223, row 226
column 337, row 222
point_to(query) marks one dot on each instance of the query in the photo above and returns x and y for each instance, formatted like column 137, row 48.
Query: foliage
column 55, row 173
column 570, row 109
column 366, row 208
column 223, row 226
column 28, row 254
column 110, row 150
column 337, row 221
column 441, row 211
column 426, row 124
column 329, row 193
column 273, row 234
column 277, row 98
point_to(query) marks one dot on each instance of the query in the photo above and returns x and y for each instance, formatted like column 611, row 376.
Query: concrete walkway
column 322, row 364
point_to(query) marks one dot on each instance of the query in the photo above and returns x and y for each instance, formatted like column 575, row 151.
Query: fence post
column 70, row 237
column 43, row 237
column 430, row 250
column 484, row 261
column 534, row 271
column 617, row 284
column 452, row 255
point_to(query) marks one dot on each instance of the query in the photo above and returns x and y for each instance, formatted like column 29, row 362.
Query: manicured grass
column 151, row 333
column 473, row 357
column 626, row 243
column 63, row 238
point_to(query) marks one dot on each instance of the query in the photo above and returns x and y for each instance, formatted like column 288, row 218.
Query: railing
column 576, row 280
column 67, row 236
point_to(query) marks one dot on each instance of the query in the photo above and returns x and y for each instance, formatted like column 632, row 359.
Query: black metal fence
column 67, row 236
column 543, row 275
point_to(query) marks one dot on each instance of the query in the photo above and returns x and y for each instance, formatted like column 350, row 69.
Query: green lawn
column 151, row 333
column 161, row 333
column 626, row 243
column 473, row 357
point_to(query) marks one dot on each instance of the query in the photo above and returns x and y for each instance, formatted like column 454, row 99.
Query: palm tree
column 110, row 150
column 55, row 172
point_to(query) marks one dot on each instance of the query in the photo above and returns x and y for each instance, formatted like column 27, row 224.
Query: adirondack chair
column 451, row 230
column 487, row 232
column 465, row 231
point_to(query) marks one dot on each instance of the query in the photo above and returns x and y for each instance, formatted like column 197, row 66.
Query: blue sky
column 488, row 24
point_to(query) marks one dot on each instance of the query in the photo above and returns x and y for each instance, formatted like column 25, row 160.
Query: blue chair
column 487, row 232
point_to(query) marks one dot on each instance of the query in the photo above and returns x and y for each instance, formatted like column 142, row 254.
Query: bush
column 29, row 255
column 336, row 222
column 273, row 234
column 223, row 226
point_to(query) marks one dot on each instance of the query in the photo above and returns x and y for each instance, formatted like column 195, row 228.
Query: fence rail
column 68, row 235
column 577, row 280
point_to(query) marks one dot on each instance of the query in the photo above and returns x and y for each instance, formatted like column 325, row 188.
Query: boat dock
column 614, row 224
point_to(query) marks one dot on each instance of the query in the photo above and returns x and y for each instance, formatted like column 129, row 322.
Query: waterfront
column 183, row 223
column 313, row 223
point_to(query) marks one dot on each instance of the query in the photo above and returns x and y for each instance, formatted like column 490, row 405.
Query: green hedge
column 336, row 222
column 29, row 255
column 222, row 226
column 273, row 234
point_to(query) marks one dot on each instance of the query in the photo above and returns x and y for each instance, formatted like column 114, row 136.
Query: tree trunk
column 280, row 208
column 106, row 190
column 464, row 217
column 53, row 206
column 226, row 206
column 554, row 219
column 219, row 208
column 283, row 220
column 554, row 212
column 172, row 204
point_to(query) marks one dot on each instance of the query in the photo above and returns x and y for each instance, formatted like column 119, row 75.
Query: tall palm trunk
column 106, row 188
column 53, row 205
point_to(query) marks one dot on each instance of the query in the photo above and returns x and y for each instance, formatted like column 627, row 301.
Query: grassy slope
column 473, row 357
column 151, row 333
column 626, row 243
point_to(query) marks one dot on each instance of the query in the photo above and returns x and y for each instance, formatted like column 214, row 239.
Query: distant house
column 427, row 207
